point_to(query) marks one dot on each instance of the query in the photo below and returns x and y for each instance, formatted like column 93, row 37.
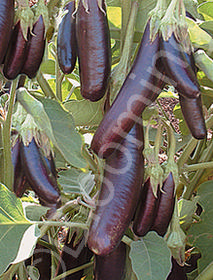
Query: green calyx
column 176, row 238
column 42, row 10
column 25, row 15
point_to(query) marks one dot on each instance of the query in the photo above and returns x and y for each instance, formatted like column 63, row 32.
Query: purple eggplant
column 38, row 174
column 178, row 68
column 66, row 41
column 141, row 87
column 111, row 266
column 73, row 256
column 166, row 206
column 177, row 272
column 35, row 49
column 94, row 49
column 146, row 210
column 119, row 194
column 16, row 54
column 6, row 24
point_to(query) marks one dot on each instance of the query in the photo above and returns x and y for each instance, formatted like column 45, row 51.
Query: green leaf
column 182, row 124
column 13, row 225
column 75, row 181
column 114, row 3
column 201, row 234
column 33, row 272
column 151, row 258
column 48, row 67
column 34, row 212
column 85, row 113
column 206, row 9
column 187, row 209
column 68, row 141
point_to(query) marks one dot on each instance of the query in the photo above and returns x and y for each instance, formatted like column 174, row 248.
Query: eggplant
column 141, row 87
column 38, row 174
column 35, row 49
column 193, row 114
column 166, row 206
column 6, row 24
column 119, row 194
column 192, row 108
column 146, row 210
column 16, row 54
column 111, row 266
column 178, row 68
column 19, row 184
column 94, row 49
column 73, row 256
column 66, row 41
column 177, row 272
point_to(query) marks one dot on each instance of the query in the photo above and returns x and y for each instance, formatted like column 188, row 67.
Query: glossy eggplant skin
column 16, row 54
column 193, row 114
column 73, row 256
column 66, row 41
column 146, row 210
column 39, row 175
column 178, row 68
column 119, row 194
column 141, row 87
column 6, row 24
column 19, row 185
column 111, row 266
column 94, row 50
column 166, row 206
column 35, row 49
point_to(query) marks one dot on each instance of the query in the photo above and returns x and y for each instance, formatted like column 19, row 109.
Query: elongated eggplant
column 35, row 49
column 111, row 266
column 192, row 108
column 193, row 114
column 94, row 51
column 141, row 87
column 146, row 210
column 16, row 54
column 66, row 41
column 177, row 272
column 19, row 185
column 73, row 256
column 6, row 24
column 38, row 174
column 166, row 206
column 119, row 194
column 178, row 69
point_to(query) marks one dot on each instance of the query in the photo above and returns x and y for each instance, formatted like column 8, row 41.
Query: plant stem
column 126, row 8
column 8, row 175
column 45, row 86
column 71, row 271
column 197, row 166
column 58, row 81
column 187, row 152
column 207, row 273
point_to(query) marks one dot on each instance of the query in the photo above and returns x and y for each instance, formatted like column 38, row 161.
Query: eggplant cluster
column 33, row 170
column 24, row 54
column 86, row 34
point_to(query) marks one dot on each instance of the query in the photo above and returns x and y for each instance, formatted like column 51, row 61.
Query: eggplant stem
column 73, row 270
column 198, row 166
column 45, row 86
column 7, row 171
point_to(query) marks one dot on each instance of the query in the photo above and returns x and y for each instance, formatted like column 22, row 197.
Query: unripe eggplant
column 119, row 194
column 35, row 49
column 166, row 206
column 193, row 114
column 6, row 24
column 66, row 41
column 111, row 266
column 141, row 87
column 94, row 50
column 73, row 256
column 146, row 210
column 39, row 175
column 178, row 69
column 16, row 54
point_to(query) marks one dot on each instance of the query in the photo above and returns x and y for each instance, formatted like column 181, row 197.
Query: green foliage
column 150, row 258
column 201, row 232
